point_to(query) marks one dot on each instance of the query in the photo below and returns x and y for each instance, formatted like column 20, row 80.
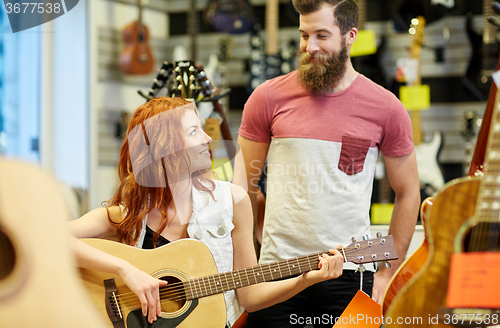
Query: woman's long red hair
column 138, row 200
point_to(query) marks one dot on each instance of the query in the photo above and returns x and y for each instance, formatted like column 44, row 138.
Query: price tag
column 473, row 280
column 362, row 311
column 212, row 128
column 415, row 97
column 365, row 44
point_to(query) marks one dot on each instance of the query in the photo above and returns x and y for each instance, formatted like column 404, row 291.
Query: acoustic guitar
column 39, row 285
column 136, row 58
column 455, row 209
column 193, row 297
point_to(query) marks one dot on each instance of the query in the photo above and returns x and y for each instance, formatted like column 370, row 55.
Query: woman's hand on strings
column 146, row 288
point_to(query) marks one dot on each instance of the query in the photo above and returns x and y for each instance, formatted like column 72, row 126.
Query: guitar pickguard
column 135, row 319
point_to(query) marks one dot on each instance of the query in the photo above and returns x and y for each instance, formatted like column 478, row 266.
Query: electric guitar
column 427, row 153
column 412, row 265
column 195, row 288
column 39, row 284
column 485, row 50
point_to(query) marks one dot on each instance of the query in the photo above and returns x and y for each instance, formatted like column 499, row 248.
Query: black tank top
column 148, row 239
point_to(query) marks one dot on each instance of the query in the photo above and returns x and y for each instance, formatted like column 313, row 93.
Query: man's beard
column 324, row 74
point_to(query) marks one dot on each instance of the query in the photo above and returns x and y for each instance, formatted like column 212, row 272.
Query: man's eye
column 322, row 36
column 304, row 37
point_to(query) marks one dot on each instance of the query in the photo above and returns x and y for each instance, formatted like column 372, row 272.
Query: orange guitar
column 137, row 57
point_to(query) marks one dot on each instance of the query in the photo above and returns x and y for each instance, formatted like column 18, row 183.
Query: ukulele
column 136, row 58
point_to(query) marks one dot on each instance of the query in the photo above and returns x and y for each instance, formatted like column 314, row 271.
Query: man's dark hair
column 345, row 12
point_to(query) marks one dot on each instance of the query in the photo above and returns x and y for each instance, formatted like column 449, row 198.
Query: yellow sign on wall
column 415, row 97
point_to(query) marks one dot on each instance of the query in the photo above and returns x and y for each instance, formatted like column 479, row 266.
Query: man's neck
column 349, row 77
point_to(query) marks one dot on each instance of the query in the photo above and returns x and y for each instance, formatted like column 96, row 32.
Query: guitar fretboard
column 488, row 199
column 489, row 30
column 210, row 285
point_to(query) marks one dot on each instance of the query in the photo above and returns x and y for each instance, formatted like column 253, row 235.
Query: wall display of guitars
column 188, row 80
column 427, row 153
column 193, row 297
column 136, row 58
column 369, row 64
column 39, row 282
column 267, row 60
column 485, row 50
column 464, row 217
column 230, row 16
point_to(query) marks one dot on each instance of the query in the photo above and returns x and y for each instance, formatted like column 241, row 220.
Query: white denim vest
column 212, row 223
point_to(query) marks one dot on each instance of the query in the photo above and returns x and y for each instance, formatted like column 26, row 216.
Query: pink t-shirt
column 321, row 160
column 279, row 108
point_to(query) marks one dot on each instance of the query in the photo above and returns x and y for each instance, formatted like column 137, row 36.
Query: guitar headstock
column 416, row 32
column 371, row 250
column 185, row 80
column 164, row 73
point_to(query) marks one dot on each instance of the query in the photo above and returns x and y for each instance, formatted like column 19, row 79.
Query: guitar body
column 39, row 285
column 425, row 294
column 411, row 265
column 427, row 154
column 178, row 261
column 136, row 58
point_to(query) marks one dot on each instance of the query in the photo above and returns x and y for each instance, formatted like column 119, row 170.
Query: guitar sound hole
column 7, row 256
column 172, row 296
column 483, row 237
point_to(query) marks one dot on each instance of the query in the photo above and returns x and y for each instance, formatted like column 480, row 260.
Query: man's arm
column 403, row 177
column 248, row 168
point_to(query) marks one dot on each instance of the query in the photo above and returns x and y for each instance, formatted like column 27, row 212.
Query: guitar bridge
column 112, row 302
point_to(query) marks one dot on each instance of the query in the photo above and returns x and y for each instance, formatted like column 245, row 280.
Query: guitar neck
column 361, row 14
column 272, row 11
column 362, row 252
column 210, row 285
column 489, row 30
column 139, row 8
column 415, row 53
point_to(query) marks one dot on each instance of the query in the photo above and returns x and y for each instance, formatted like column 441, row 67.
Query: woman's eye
column 193, row 132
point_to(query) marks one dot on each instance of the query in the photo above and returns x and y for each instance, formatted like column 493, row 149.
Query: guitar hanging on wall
column 136, row 58
column 427, row 153
column 485, row 50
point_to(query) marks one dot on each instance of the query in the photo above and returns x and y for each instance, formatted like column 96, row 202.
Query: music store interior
column 68, row 88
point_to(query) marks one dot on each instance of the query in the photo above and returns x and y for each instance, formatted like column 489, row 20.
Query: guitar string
column 168, row 292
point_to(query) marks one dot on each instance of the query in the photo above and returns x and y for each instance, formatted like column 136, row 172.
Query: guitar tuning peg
column 387, row 264
column 379, row 234
column 366, row 237
column 361, row 268
column 374, row 266
column 353, row 239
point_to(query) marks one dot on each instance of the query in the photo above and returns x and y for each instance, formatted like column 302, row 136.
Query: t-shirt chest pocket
column 353, row 155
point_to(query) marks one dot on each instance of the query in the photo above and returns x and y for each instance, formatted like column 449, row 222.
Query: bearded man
column 321, row 128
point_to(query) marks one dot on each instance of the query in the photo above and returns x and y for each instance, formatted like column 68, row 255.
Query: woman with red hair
column 166, row 193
